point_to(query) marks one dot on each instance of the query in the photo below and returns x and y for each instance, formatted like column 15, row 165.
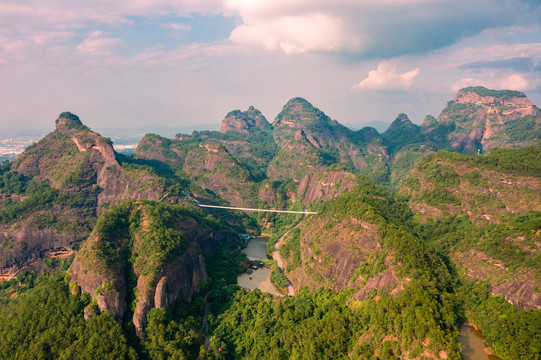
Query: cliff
column 145, row 255
column 324, row 186
column 519, row 286
column 73, row 154
column 341, row 247
column 479, row 119
column 64, row 181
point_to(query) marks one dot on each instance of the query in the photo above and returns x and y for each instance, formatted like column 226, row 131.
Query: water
column 260, row 278
column 256, row 249
column 473, row 344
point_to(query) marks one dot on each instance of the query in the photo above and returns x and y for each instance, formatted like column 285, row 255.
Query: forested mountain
column 418, row 230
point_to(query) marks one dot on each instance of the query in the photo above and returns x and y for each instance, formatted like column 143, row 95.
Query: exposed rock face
column 479, row 119
column 81, row 167
column 475, row 95
column 324, row 186
column 161, row 278
column 106, row 285
column 182, row 277
column 330, row 255
column 520, row 287
column 267, row 193
column 476, row 191
column 299, row 114
column 26, row 247
column 115, row 183
column 385, row 280
column 212, row 167
column 244, row 123
column 93, row 153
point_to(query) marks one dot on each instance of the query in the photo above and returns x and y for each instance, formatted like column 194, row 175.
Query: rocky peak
column 403, row 132
column 70, row 125
column 402, row 122
column 68, row 121
column 244, row 122
column 298, row 113
column 482, row 95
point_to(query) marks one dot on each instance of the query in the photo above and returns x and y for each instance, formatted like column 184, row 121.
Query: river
column 260, row 278
column 473, row 344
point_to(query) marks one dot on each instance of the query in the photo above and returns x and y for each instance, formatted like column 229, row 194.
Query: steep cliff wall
column 145, row 255
column 479, row 119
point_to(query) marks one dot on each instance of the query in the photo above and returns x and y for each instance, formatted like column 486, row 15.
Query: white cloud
column 371, row 28
column 387, row 77
column 298, row 34
column 97, row 44
column 510, row 82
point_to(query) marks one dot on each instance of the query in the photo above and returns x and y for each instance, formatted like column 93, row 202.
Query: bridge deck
column 261, row 210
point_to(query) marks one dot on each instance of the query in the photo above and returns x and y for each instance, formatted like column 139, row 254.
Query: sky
column 180, row 63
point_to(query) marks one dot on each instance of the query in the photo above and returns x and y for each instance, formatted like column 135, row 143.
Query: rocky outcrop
column 26, row 247
column 522, row 290
column 330, row 252
column 107, row 285
column 112, row 255
column 76, row 146
column 520, row 287
column 492, row 97
column 479, row 119
column 244, row 122
column 483, row 194
column 324, row 186
column 310, row 141
column 386, row 281
column 212, row 167
column 181, row 278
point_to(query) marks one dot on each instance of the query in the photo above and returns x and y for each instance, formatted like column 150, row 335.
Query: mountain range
column 419, row 229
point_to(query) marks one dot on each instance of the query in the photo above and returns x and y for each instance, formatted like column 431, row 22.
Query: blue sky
column 145, row 63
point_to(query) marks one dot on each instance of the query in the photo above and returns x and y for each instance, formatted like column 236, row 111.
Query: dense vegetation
column 307, row 326
column 35, row 196
column 47, row 323
column 526, row 161
column 418, row 316
column 512, row 333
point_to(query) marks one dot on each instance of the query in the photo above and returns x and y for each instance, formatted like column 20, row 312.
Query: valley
column 376, row 245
